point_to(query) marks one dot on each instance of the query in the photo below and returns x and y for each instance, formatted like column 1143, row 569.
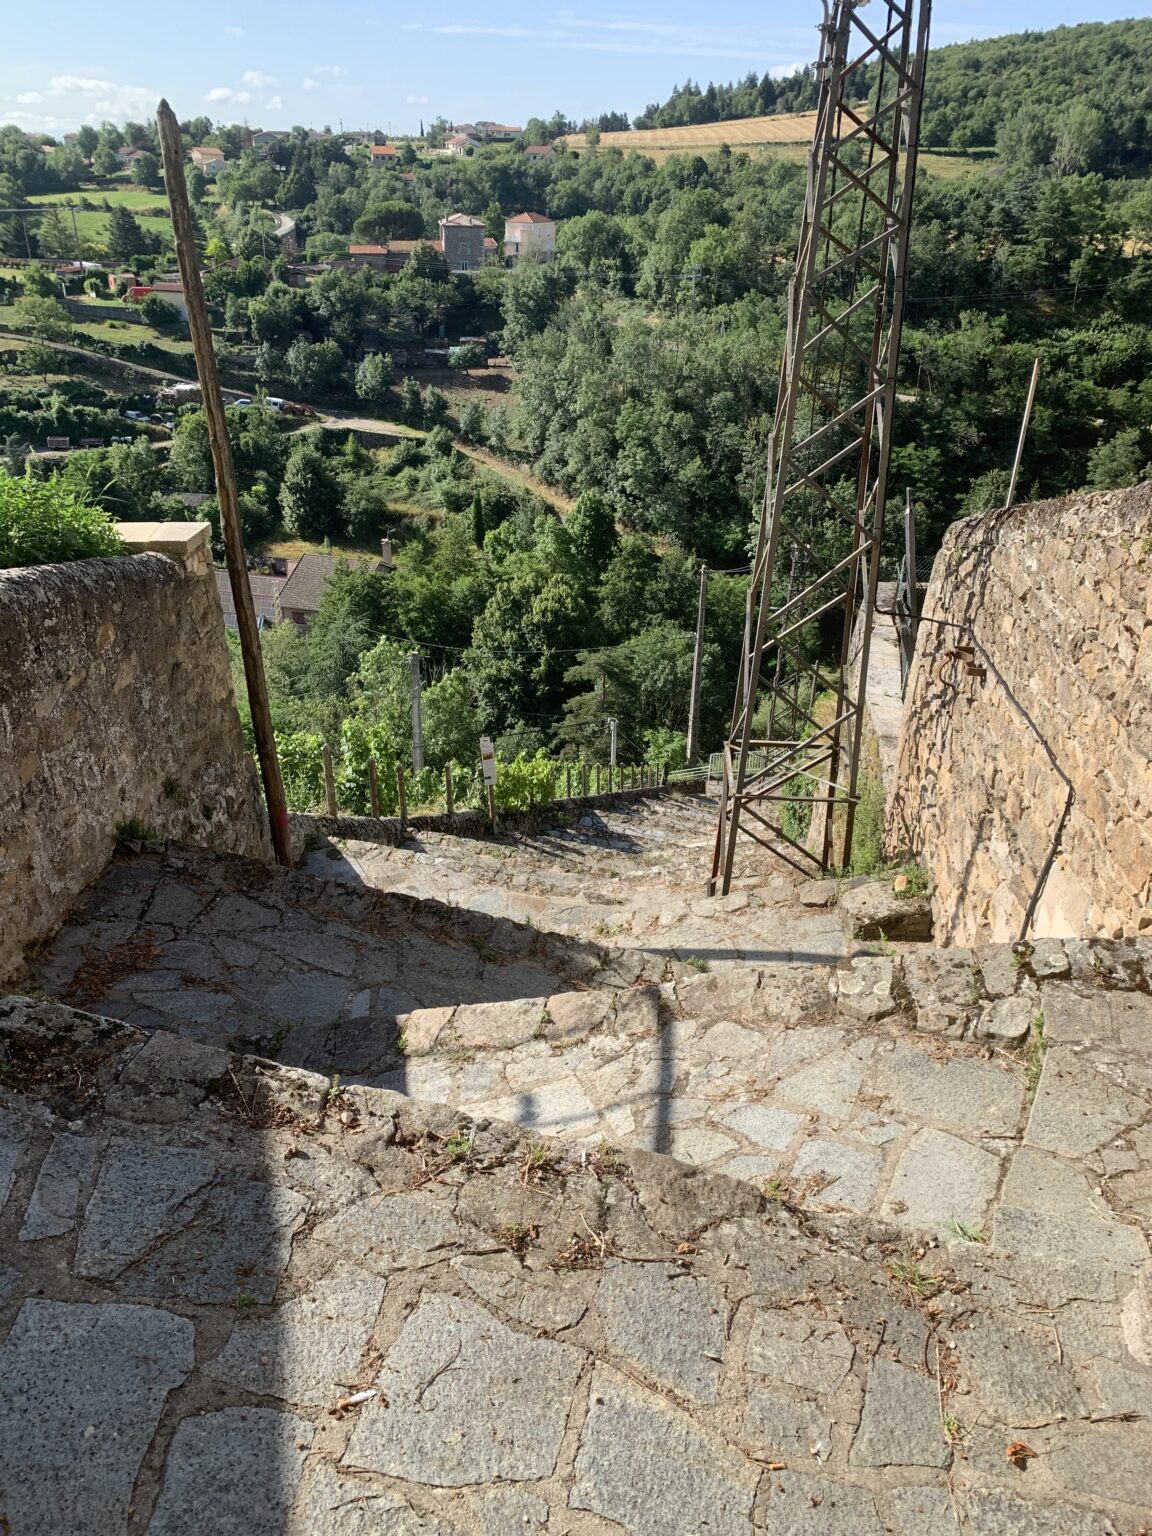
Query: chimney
column 386, row 553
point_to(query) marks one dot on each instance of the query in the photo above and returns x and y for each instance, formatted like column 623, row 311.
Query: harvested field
column 737, row 133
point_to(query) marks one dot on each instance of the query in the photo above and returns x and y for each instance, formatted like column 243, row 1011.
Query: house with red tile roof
column 530, row 234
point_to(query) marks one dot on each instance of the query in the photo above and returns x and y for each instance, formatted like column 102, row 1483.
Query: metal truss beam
column 818, row 548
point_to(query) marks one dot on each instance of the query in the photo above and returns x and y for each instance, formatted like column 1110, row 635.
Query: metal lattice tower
column 817, row 555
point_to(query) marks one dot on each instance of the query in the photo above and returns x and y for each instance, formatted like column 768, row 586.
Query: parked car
column 135, row 415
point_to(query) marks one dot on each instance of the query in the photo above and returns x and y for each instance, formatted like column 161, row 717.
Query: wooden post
column 329, row 781
column 186, row 254
column 1028, row 404
column 373, row 787
column 693, row 744
column 492, row 805
column 597, row 778
column 401, row 794
column 448, row 801
column 568, row 782
column 584, row 779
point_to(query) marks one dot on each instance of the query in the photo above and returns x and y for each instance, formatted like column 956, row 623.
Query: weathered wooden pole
column 402, row 796
column 597, row 778
column 448, row 797
column 373, row 787
column 568, row 782
column 329, row 781
column 189, row 261
column 1028, row 404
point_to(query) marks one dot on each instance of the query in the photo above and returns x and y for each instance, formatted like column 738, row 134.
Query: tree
column 472, row 422
column 374, row 380
column 435, row 406
column 104, row 160
column 46, row 319
column 86, row 140
column 592, row 529
column 469, row 355
column 197, row 184
column 312, row 496
column 451, row 720
column 393, row 220
column 1125, row 459
column 124, row 237
column 42, row 522
column 159, row 313
column 313, row 367
column 411, row 402
column 146, row 169
column 38, row 282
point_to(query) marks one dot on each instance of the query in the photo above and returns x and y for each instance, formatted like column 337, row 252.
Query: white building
column 530, row 234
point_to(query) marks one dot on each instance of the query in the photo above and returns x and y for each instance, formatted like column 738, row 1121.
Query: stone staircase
column 711, row 1217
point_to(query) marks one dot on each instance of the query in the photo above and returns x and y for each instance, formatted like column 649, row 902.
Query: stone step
column 1042, row 1147
column 255, row 1300
column 225, row 949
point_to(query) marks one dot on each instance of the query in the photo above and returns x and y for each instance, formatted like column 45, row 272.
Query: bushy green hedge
column 41, row 522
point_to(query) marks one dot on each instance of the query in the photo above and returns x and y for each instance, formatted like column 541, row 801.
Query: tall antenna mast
column 817, row 558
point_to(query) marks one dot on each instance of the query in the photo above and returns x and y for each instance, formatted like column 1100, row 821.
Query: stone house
column 462, row 241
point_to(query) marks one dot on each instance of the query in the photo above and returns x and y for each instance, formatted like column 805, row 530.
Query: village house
column 383, row 154
column 460, row 144
column 530, row 234
column 462, row 241
column 539, row 151
column 299, row 600
column 498, row 133
column 207, row 158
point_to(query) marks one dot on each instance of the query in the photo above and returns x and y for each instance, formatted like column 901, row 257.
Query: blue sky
column 367, row 66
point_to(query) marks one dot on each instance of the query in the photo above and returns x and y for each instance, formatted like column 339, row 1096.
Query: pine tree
column 125, row 238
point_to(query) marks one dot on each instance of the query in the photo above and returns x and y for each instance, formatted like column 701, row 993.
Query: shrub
column 42, row 522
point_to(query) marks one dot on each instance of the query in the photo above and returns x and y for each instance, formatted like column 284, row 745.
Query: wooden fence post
column 373, row 787
column 584, row 779
column 448, row 798
column 401, row 794
column 568, row 782
column 492, row 805
column 597, row 778
column 329, row 781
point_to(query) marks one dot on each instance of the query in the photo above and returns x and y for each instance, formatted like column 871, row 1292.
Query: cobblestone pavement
column 224, row 949
column 631, row 874
column 234, row 1298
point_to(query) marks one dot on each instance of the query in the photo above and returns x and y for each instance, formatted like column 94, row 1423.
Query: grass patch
column 965, row 1229
column 906, row 1272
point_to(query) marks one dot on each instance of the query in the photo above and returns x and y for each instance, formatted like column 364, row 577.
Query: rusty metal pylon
column 818, row 548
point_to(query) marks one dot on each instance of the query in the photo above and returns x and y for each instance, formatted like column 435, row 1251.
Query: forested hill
column 1079, row 97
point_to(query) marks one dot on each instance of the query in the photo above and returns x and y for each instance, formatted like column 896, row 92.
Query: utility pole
column 612, row 743
column 697, row 663
column 225, row 470
column 417, row 720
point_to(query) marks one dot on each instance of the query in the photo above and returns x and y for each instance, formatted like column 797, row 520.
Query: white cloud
column 70, row 99
column 235, row 32
column 273, row 104
column 258, row 77
column 330, row 71
column 417, row 101
column 224, row 95
column 309, row 84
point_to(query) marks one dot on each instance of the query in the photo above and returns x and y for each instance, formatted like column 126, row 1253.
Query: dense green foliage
column 43, row 522
column 646, row 358
column 1074, row 98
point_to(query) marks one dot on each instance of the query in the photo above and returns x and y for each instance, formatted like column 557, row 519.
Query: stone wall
column 1055, row 601
column 116, row 705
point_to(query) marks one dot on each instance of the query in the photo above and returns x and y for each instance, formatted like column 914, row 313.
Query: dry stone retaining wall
column 115, row 704
column 1055, row 601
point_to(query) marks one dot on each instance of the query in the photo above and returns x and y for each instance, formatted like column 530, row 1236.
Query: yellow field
column 737, row 133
